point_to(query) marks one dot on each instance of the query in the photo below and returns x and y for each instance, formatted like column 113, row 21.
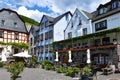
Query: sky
column 35, row 9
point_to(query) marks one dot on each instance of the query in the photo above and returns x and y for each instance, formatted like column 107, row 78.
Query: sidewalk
column 41, row 74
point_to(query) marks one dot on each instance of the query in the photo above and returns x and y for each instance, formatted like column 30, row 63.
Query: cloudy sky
column 36, row 8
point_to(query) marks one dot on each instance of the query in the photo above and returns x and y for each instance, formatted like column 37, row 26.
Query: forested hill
column 29, row 21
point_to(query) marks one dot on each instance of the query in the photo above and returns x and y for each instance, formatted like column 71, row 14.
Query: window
column 69, row 35
column 46, row 24
column 41, row 37
column 50, row 34
column 101, row 11
column 71, row 24
column 2, row 22
column 106, row 41
column 96, row 59
column 1, row 34
column 42, row 26
column 16, row 36
column 101, row 59
column 80, row 22
column 101, row 25
column 114, row 5
column 46, row 35
column 0, row 51
column 31, row 40
column 97, row 42
column 15, row 24
column 84, row 31
column 107, row 59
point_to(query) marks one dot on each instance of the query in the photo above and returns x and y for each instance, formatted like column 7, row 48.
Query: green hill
column 29, row 21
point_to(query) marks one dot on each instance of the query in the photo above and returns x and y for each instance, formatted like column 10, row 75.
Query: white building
column 80, row 24
column 51, row 29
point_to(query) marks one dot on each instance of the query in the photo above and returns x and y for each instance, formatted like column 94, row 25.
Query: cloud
column 55, row 6
column 34, row 14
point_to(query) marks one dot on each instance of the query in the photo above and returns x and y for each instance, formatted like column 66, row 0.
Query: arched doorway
column 101, row 59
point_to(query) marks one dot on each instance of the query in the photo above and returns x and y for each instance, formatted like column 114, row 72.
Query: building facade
column 51, row 29
column 33, row 39
column 12, row 30
column 103, row 41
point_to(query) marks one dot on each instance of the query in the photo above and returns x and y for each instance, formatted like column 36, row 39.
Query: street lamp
column 56, row 56
column 70, row 60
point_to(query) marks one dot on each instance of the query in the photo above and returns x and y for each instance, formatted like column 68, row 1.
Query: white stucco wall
column 113, row 21
column 59, row 28
column 77, row 30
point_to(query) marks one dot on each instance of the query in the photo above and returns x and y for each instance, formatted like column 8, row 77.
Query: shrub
column 60, row 69
column 15, row 69
column 1, row 64
column 86, row 71
column 44, row 63
column 69, row 71
column 49, row 66
column 76, row 70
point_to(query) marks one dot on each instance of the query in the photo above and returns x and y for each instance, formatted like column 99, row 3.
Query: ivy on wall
column 18, row 45
column 97, row 34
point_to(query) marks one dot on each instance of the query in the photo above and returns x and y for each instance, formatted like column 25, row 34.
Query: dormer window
column 15, row 24
column 101, row 11
column 2, row 22
column 114, row 5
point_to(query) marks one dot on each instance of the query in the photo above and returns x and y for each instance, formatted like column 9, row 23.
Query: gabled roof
column 108, row 10
column 35, row 28
column 10, row 18
column 89, row 15
column 49, row 18
column 59, row 17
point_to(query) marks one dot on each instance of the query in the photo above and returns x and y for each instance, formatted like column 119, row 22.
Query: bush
column 76, row 70
column 1, row 64
column 86, row 71
column 15, row 69
column 60, row 69
column 44, row 63
column 49, row 66
column 71, row 70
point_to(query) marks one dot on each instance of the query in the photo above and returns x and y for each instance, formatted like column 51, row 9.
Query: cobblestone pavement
column 41, row 74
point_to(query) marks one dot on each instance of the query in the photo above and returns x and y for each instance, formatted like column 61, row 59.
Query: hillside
column 29, row 21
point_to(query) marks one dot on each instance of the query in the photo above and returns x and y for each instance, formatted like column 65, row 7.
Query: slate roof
column 59, row 17
column 11, row 17
column 108, row 11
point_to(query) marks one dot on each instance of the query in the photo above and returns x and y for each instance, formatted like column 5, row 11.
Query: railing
column 86, row 47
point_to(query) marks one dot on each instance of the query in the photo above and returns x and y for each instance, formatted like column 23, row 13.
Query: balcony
column 86, row 47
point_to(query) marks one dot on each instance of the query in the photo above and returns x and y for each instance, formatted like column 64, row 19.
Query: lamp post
column 56, row 56
column 69, row 52
column 88, row 56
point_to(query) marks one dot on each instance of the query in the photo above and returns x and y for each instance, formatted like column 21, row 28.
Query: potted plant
column 15, row 69
column 1, row 64
column 86, row 73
